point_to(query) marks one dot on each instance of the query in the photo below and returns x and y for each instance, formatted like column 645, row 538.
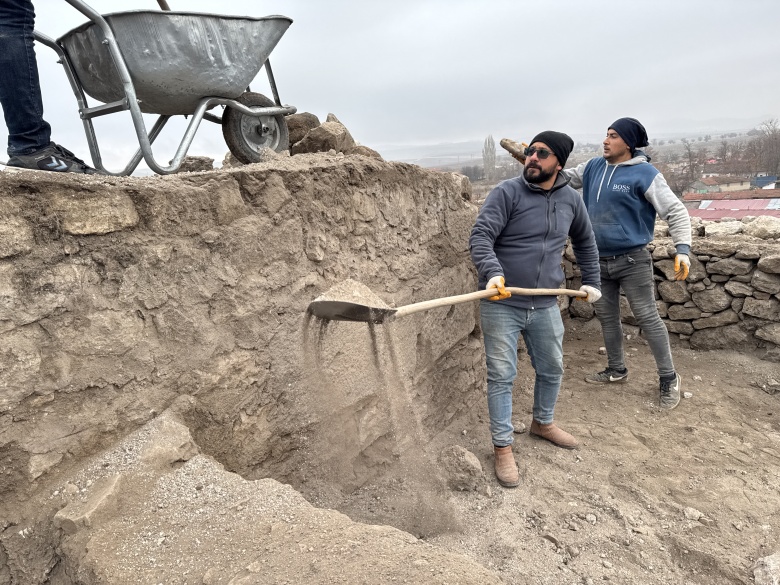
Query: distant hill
column 469, row 152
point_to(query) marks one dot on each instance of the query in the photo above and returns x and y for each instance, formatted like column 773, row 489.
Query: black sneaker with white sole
column 53, row 158
column 670, row 392
column 608, row 376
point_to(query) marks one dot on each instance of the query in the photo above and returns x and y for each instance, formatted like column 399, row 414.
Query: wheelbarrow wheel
column 246, row 136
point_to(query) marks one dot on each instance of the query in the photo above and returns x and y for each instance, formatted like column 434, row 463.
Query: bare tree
column 770, row 145
column 752, row 157
column 694, row 160
column 489, row 158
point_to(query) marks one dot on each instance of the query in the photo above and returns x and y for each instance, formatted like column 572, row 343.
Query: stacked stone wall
column 731, row 298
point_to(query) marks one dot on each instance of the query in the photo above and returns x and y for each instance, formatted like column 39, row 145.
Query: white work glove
column 682, row 265
column 497, row 282
column 593, row 293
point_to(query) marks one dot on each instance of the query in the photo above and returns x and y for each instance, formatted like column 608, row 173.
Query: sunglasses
column 541, row 153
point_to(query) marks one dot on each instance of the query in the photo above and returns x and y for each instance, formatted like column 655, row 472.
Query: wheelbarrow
column 175, row 63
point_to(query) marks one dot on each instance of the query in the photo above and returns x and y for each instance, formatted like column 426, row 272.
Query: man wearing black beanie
column 624, row 194
column 517, row 240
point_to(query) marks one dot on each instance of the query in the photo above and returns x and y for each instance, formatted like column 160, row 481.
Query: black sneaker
column 608, row 376
column 51, row 158
column 670, row 392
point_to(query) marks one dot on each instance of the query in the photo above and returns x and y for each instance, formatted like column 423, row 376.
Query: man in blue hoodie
column 623, row 193
column 517, row 240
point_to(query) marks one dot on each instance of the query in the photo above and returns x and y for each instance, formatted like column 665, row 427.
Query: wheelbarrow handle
column 164, row 5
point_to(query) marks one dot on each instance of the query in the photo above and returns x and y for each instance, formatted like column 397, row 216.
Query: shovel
column 347, row 311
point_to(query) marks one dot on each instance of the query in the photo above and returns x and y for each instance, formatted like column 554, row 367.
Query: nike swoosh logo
column 614, row 379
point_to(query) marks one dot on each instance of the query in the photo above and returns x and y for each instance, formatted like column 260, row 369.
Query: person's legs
column 500, row 331
column 636, row 279
column 543, row 335
column 608, row 313
column 20, row 90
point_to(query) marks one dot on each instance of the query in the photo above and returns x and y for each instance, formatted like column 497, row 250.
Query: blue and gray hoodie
column 623, row 201
column 520, row 233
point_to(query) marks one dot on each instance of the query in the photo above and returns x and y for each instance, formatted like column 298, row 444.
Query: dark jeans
column 20, row 88
column 634, row 274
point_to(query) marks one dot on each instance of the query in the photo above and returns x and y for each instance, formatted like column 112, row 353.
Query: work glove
column 682, row 265
column 594, row 294
column 497, row 282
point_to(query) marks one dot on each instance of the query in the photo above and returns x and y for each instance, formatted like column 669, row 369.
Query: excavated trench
column 121, row 296
column 170, row 412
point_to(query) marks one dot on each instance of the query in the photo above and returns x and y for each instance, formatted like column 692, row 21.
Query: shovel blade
column 346, row 311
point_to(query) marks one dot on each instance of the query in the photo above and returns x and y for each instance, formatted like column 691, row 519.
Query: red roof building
column 736, row 204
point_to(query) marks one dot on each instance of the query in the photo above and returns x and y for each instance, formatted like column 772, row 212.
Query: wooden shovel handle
column 483, row 294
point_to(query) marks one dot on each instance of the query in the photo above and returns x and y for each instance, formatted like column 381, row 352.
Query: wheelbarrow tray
column 175, row 59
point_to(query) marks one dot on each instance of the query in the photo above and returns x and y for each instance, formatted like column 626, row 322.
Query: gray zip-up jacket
column 520, row 233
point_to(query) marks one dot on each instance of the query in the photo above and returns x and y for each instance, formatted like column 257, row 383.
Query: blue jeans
column 542, row 331
column 634, row 274
column 20, row 88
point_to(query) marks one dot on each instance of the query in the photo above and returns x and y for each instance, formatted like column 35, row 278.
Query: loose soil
column 653, row 497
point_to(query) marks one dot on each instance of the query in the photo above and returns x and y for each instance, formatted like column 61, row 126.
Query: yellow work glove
column 682, row 265
column 497, row 282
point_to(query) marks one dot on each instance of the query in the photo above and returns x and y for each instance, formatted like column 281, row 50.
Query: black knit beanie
column 560, row 143
column 631, row 131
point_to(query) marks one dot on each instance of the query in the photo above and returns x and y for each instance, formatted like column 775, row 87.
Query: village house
column 720, row 184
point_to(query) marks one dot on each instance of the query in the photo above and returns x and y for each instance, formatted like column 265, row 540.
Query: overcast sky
column 409, row 72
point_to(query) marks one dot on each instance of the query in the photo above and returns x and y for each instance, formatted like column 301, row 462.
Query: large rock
column 330, row 135
column 729, row 266
column 728, row 337
column 673, row 291
column 717, row 320
column 724, row 228
column 768, row 309
column 16, row 236
column 770, row 263
column 766, row 282
column 764, row 227
column 769, row 333
column 300, row 124
column 712, row 300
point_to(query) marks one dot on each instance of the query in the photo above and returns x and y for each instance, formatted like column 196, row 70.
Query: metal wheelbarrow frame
column 244, row 116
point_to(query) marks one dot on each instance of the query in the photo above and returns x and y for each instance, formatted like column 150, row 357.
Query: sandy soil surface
column 687, row 496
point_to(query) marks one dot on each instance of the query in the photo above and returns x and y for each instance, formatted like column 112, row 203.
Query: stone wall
column 118, row 295
column 731, row 298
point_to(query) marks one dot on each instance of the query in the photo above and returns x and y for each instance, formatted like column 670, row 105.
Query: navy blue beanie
column 631, row 131
column 561, row 144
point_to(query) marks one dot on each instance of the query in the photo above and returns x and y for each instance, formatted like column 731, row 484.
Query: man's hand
column 497, row 282
column 594, row 294
column 682, row 265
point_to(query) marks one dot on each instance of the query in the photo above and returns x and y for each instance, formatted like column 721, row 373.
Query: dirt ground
column 652, row 497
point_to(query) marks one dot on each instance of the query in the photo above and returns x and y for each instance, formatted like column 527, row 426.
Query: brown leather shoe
column 506, row 468
column 555, row 435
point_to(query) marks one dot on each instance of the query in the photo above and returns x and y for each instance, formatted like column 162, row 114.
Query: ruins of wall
column 731, row 298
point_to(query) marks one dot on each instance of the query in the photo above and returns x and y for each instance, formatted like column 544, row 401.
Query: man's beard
column 540, row 178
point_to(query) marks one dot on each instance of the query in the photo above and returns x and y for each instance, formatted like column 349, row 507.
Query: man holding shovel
column 517, row 241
